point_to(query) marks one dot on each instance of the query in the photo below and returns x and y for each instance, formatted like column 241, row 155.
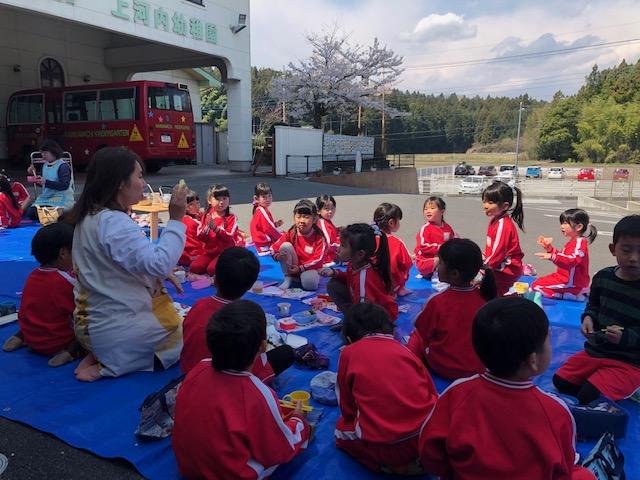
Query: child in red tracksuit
column 21, row 194
column 264, row 231
column 384, row 394
column 368, row 275
column 442, row 335
column 10, row 211
column 571, row 281
column 431, row 236
column 499, row 424
column 503, row 254
column 326, row 206
column 46, row 310
column 228, row 424
column 193, row 247
column 302, row 250
column 387, row 216
column 218, row 231
column 236, row 270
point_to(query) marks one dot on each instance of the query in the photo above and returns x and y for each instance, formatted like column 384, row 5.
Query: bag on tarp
column 158, row 411
column 605, row 460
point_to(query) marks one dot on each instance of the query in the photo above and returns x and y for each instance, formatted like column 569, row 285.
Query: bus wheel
column 152, row 167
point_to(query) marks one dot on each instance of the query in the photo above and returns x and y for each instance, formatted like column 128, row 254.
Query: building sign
column 140, row 11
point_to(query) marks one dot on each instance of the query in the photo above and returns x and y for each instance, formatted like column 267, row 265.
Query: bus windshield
column 166, row 98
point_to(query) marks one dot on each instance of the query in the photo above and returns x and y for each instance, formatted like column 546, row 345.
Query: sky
column 451, row 46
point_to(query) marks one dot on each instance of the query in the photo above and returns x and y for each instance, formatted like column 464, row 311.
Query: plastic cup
column 298, row 396
column 284, row 309
column 181, row 275
column 257, row 287
column 166, row 198
column 521, row 287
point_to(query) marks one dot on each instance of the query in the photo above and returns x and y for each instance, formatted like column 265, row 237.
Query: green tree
column 558, row 131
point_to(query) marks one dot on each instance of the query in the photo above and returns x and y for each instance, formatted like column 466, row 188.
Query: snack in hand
column 182, row 184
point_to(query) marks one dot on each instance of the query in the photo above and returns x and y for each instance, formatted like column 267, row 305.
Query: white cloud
column 441, row 28
column 278, row 28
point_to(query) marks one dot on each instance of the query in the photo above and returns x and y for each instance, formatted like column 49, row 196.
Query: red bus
column 152, row 118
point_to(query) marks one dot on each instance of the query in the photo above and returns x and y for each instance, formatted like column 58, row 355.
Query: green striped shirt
column 614, row 301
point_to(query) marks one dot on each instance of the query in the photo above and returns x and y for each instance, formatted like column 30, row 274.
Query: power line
column 508, row 58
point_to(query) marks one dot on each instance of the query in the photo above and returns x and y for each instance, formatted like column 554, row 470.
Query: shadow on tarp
column 101, row 417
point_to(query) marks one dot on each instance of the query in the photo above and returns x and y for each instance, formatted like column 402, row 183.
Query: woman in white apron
column 119, row 271
column 56, row 180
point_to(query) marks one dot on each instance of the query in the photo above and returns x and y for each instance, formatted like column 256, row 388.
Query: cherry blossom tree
column 336, row 77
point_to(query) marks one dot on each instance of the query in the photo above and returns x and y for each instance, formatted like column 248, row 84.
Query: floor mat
column 102, row 416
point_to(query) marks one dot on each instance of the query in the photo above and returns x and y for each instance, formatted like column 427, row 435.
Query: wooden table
column 153, row 211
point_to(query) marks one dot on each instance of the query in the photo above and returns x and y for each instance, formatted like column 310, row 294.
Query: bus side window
column 25, row 109
column 81, row 106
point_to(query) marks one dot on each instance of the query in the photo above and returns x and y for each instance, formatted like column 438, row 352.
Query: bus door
column 53, row 115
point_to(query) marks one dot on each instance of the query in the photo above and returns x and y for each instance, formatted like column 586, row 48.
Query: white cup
column 181, row 275
column 166, row 198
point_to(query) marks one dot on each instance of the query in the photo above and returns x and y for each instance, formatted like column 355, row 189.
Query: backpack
column 605, row 460
column 158, row 410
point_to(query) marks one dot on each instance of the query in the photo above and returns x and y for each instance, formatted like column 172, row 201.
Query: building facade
column 81, row 42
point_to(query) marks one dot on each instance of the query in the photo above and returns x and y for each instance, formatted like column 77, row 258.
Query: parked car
column 464, row 169
column 533, row 172
column 506, row 172
column 586, row 175
column 621, row 174
column 473, row 184
column 487, row 171
column 556, row 173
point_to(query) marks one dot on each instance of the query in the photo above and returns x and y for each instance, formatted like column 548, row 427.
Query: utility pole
column 383, row 145
column 284, row 113
column 518, row 141
column 359, row 119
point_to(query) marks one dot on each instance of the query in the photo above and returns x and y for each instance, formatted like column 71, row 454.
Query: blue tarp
column 101, row 417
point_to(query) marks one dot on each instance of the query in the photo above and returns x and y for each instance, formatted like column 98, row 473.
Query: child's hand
column 543, row 255
column 613, row 333
column 299, row 412
column 587, row 327
column 176, row 283
column 294, row 270
column 277, row 256
column 326, row 272
column 279, row 223
column 545, row 242
column 31, row 170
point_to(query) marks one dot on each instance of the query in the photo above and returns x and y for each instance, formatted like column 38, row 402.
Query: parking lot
column 570, row 182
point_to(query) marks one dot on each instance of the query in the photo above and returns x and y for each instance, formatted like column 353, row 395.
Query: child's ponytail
column 381, row 260
column 488, row 287
column 591, row 232
column 518, row 211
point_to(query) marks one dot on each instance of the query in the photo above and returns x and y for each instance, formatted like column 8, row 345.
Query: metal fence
column 344, row 163
column 609, row 183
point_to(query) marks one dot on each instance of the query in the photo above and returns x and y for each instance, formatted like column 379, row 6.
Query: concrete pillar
column 239, row 121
